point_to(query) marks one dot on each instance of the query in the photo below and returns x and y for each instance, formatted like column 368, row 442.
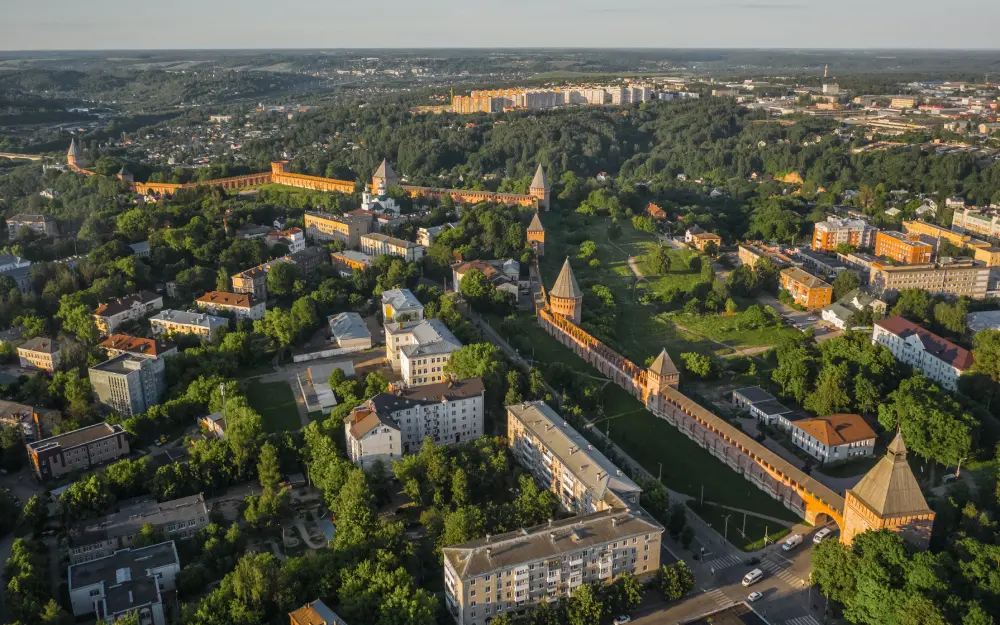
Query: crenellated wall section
column 753, row 461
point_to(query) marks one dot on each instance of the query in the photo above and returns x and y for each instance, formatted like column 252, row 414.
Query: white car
column 624, row 618
column 754, row 596
column 821, row 535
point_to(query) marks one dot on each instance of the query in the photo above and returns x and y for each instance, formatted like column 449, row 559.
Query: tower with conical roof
column 74, row 156
column 888, row 497
column 540, row 188
column 536, row 236
column 662, row 373
column 566, row 297
column 384, row 176
column 125, row 175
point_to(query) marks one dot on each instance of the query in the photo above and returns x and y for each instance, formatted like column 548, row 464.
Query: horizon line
column 505, row 48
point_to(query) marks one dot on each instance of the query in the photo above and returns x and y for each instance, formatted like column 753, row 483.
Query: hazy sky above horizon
column 229, row 24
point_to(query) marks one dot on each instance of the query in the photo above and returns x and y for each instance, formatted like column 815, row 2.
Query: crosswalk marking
column 789, row 578
column 802, row 620
column 724, row 563
column 720, row 598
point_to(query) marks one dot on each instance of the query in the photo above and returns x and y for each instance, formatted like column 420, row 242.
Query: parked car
column 754, row 596
column 821, row 535
column 624, row 618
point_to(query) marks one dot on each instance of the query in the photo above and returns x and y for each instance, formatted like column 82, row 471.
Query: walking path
column 737, row 351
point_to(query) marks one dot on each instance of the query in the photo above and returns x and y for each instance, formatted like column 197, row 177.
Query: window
column 95, row 592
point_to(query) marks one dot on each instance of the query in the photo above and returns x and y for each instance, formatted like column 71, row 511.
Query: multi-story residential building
column 349, row 260
column 977, row 222
column 243, row 305
column 902, row 248
column 391, row 425
column 346, row 228
column 128, row 384
column 131, row 581
column 514, row 572
column 183, row 322
column 109, row 316
column 42, row 224
column 419, row 350
column 749, row 255
column 939, row 359
column 834, row 438
column 33, row 423
column 401, row 304
column 806, row 289
column 40, row 353
column 177, row 519
column 293, row 238
column 426, row 236
column 376, row 244
column 315, row 613
column 947, row 276
column 504, row 275
column 78, row 450
column 827, row 235
column 957, row 239
column 989, row 256
column 253, row 281
column 563, row 461
column 151, row 349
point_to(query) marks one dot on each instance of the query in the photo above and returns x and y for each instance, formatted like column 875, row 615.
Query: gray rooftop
column 771, row 408
column 754, row 394
column 983, row 320
column 384, row 238
column 79, row 436
column 124, row 575
column 575, row 452
column 130, row 519
column 190, row 318
column 432, row 337
column 348, row 325
column 401, row 300
column 547, row 540
column 123, row 364
column 390, row 402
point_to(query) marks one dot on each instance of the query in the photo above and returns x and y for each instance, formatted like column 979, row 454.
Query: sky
column 242, row 24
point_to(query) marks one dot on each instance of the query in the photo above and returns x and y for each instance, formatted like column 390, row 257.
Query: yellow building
column 904, row 248
column 346, row 228
column 40, row 353
column 351, row 259
column 204, row 326
column 701, row 240
column 806, row 289
column 957, row 239
column 988, row 255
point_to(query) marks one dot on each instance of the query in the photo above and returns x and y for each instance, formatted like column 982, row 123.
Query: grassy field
column 276, row 405
column 755, row 528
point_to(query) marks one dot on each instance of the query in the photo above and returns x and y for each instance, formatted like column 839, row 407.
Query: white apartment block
column 109, row 316
column 975, row 221
column 938, row 359
column 393, row 424
column 563, row 461
column 201, row 325
column 242, row 305
column 834, row 438
column 513, row 572
column 130, row 581
column 419, row 350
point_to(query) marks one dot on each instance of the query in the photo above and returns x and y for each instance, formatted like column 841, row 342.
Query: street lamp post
column 660, row 477
column 958, row 471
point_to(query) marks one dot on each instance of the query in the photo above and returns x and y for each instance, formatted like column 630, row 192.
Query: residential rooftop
column 129, row 520
column 122, row 304
column 940, row 348
column 837, row 429
column 384, row 238
column 186, row 318
column 348, row 325
column 135, row 345
column 804, row 277
column 222, row 298
column 124, row 575
column 40, row 344
column 80, row 436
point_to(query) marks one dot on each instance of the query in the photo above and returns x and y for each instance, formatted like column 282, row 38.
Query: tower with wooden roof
column 536, row 236
column 662, row 373
column 384, row 176
column 566, row 297
column 540, row 188
column 888, row 497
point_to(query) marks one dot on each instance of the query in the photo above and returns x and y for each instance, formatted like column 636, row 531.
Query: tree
column 933, row 424
column 478, row 360
column 222, row 280
column 614, row 231
column 134, row 223
column 830, row 395
column 845, row 282
column 148, row 535
column 36, row 513
column 77, row 319
column 624, row 594
column 588, row 249
column 281, row 279
column 584, row 606
column 699, row 364
column 643, row 224
column 986, row 353
column 675, row 581
column 914, row 304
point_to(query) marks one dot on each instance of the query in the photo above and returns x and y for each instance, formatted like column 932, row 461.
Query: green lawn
column 755, row 528
column 276, row 405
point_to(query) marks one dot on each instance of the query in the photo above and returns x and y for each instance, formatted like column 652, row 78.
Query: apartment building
column 947, row 276
column 806, row 289
column 177, row 519
column 33, row 423
column 426, row 236
column 253, row 281
column 42, row 224
column 957, row 239
column 293, row 238
column 902, row 248
column 131, row 581
column 110, row 315
column 514, row 572
column 393, row 424
column 419, row 350
column 128, row 384
column 750, row 254
column 349, row 260
column 376, row 244
column 986, row 224
column 40, row 353
column 401, row 303
column 78, row 450
column 834, row 438
column 242, row 305
column 346, row 228
column 315, row 613
column 201, row 325
column 827, row 235
column 939, row 359
column 702, row 240
column 563, row 461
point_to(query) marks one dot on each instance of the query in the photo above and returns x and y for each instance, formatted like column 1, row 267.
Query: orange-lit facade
column 902, row 248
column 806, row 289
column 828, row 234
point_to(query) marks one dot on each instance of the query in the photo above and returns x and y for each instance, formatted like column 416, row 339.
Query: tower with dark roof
column 566, row 297
column 888, row 497
column 540, row 188
column 536, row 236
